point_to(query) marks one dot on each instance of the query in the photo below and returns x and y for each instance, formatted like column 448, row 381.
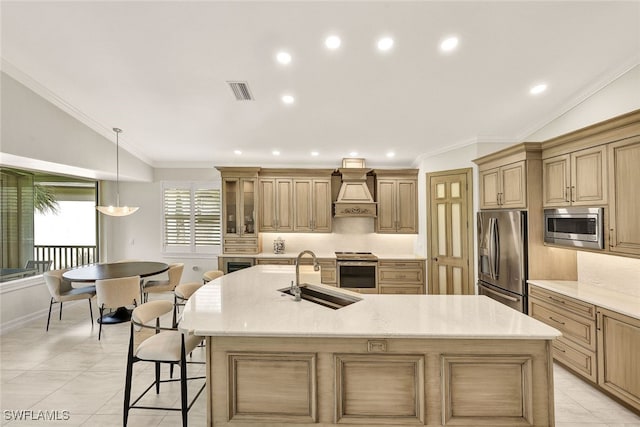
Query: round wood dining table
column 114, row 270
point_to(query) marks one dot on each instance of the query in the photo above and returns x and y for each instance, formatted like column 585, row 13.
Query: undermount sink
column 322, row 296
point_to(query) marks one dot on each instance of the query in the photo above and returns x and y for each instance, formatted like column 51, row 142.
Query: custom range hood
column 354, row 198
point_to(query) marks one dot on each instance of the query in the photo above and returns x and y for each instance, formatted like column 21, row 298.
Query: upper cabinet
column 504, row 176
column 504, row 187
column 624, row 207
column 276, row 204
column 599, row 166
column 312, row 205
column 397, row 197
column 239, row 204
column 575, row 179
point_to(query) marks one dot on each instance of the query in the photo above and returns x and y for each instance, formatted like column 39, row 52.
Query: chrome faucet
column 316, row 266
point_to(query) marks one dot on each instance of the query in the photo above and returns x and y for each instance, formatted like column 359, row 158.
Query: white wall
column 619, row 97
column 36, row 134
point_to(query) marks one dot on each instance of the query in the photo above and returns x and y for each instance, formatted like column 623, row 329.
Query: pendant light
column 117, row 210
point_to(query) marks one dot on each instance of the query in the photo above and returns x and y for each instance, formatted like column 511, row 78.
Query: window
column 192, row 217
column 45, row 218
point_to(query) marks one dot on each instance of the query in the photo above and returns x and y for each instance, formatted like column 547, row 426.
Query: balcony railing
column 65, row 256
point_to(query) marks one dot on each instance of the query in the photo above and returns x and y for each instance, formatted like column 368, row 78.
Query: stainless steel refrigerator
column 502, row 257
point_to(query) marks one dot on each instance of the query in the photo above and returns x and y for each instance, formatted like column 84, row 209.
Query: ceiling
column 159, row 70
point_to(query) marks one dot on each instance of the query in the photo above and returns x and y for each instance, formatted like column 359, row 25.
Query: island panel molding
column 272, row 387
column 394, row 394
column 480, row 388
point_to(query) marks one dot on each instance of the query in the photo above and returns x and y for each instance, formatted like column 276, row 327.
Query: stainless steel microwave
column 577, row 227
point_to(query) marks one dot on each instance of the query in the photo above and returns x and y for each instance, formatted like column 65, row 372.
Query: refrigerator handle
column 494, row 249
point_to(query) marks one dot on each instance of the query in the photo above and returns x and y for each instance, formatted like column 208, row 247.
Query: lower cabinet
column 576, row 348
column 602, row 346
column 619, row 355
column 275, row 261
column 401, row 277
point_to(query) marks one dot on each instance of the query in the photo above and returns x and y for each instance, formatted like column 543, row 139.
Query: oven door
column 358, row 275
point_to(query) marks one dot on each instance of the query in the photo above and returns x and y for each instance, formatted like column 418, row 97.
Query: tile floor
column 68, row 369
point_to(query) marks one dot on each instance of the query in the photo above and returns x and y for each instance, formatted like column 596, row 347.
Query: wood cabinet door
column 284, row 204
column 489, row 188
column 386, row 198
column 407, row 206
column 302, row 207
column 513, row 186
column 624, row 193
column 618, row 350
column 267, row 205
column 588, row 176
column 321, row 205
column 555, row 181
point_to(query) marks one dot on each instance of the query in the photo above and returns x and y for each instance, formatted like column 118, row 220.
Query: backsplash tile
column 616, row 273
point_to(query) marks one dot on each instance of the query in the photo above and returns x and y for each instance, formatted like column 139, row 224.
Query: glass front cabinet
column 239, row 201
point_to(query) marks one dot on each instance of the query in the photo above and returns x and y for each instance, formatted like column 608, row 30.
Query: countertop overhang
column 248, row 303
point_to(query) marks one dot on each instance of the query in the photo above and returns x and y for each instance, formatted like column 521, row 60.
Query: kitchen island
column 385, row 359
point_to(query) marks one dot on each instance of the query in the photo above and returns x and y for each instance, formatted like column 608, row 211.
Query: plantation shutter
column 207, row 217
column 192, row 218
column 177, row 217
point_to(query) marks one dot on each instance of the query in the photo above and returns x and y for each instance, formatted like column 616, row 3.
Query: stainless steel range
column 357, row 271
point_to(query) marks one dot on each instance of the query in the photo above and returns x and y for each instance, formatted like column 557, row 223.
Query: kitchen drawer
column 405, row 276
column 274, row 261
column 400, row 264
column 574, row 328
column 408, row 290
column 576, row 358
column 566, row 303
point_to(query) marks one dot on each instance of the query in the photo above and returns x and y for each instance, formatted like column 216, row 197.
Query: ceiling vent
column 241, row 91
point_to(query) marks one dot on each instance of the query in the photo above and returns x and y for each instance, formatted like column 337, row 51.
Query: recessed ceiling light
column 391, row 154
column 275, row 152
column 332, row 42
column 353, row 153
column 283, row 57
column 288, row 99
column 449, row 44
column 238, row 152
column 538, row 89
column 315, row 153
column 385, row 43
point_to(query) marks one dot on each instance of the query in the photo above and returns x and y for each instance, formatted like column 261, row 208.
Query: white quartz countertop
column 330, row 255
column 247, row 303
column 626, row 304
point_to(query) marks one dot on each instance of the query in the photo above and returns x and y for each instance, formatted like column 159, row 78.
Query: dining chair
column 182, row 293
column 61, row 291
column 158, row 286
column 156, row 344
column 114, row 293
column 211, row 275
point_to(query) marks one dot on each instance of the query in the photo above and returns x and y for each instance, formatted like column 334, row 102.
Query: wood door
column 555, row 181
column 513, row 186
column 624, row 181
column 386, row 198
column 489, row 188
column 407, row 206
column 321, row 205
column 451, row 238
column 588, row 172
